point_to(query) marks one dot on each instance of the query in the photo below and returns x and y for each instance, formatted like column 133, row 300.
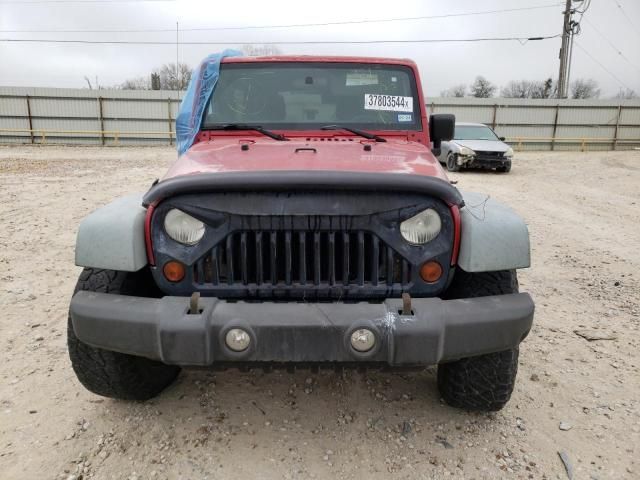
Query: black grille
column 302, row 258
column 489, row 155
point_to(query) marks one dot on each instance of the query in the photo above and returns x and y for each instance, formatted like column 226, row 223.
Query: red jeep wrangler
column 306, row 222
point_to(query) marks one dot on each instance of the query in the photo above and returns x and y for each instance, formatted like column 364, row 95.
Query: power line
column 602, row 66
column 611, row 44
column 35, row 2
column 624, row 13
column 570, row 29
column 298, row 25
column 522, row 40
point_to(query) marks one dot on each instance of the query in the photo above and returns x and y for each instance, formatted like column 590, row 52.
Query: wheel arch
column 112, row 237
column 493, row 236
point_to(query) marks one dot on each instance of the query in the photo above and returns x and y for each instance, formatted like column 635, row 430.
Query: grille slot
column 490, row 155
column 286, row 258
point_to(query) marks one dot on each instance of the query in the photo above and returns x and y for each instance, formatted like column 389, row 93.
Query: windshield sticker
column 389, row 103
column 404, row 117
column 355, row 79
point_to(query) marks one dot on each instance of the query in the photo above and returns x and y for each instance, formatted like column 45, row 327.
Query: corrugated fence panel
column 467, row 113
column 64, row 125
column 13, row 106
column 629, row 132
column 525, row 131
column 587, row 131
column 125, row 125
column 14, row 123
column 144, row 109
column 64, row 107
column 630, row 116
column 588, row 116
column 514, row 115
column 126, row 117
column 175, row 106
column 520, row 136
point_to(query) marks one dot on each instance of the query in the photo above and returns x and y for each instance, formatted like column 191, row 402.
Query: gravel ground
column 573, row 396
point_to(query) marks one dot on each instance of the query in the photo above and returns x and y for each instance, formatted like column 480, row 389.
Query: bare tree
column 138, row 83
column 260, row 50
column 482, row 88
column 546, row 89
column 155, row 81
column 626, row 94
column 518, row 89
column 164, row 78
column 529, row 89
column 584, row 88
column 86, row 79
column 455, row 91
column 172, row 78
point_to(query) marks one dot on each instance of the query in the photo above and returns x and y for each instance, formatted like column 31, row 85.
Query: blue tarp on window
column 203, row 81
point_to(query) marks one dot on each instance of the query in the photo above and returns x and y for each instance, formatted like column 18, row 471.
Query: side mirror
column 502, row 139
column 441, row 127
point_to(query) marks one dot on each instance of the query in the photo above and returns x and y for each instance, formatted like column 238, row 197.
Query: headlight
column 509, row 153
column 422, row 228
column 183, row 228
column 466, row 151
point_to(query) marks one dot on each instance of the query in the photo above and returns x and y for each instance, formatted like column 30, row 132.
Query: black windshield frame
column 415, row 125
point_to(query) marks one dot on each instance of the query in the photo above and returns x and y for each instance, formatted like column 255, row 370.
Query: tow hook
column 194, row 307
column 406, row 304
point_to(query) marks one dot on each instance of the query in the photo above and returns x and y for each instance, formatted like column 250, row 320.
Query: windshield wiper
column 243, row 126
column 362, row 133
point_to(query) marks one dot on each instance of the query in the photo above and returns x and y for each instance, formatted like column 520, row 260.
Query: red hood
column 224, row 154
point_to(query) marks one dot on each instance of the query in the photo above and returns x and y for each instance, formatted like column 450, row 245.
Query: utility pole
column 569, row 29
column 564, row 52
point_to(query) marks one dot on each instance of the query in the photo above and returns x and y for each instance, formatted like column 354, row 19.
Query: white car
column 475, row 145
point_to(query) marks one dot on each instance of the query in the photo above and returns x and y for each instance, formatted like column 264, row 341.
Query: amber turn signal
column 431, row 271
column 173, row 271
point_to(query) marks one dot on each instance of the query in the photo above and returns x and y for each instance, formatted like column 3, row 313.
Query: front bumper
column 437, row 331
column 479, row 161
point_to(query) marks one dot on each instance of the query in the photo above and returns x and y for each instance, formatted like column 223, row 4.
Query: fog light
column 237, row 339
column 173, row 271
column 363, row 340
column 431, row 271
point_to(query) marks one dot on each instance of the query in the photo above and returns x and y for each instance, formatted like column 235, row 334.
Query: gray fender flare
column 112, row 237
column 493, row 237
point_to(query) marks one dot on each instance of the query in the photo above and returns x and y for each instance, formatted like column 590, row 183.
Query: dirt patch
column 584, row 218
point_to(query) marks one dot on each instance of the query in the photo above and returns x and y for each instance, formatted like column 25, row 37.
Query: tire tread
column 113, row 374
column 484, row 382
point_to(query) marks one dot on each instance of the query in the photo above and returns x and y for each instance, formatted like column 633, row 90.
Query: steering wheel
column 240, row 93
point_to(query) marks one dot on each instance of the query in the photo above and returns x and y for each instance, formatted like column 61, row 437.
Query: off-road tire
column 452, row 164
column 485, row 382
column 113, row 374
column 505, row 169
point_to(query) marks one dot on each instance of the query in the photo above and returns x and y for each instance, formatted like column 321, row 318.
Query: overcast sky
column 442, row 64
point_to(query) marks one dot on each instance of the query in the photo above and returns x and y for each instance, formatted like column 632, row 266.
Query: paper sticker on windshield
column 404, row 117
column 354, row 79
column 390, row 103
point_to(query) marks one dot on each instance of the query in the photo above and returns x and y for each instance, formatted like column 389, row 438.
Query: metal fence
column 532, row 124
column 117, row 117
column 87, row 117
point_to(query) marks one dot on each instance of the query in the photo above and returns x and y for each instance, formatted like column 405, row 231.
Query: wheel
column 113, row 374
column 505, row 169
column 452, row 164
column 484, row 382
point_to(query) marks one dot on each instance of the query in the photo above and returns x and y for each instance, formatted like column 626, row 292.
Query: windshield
column 304, row 96
column 474, row 132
